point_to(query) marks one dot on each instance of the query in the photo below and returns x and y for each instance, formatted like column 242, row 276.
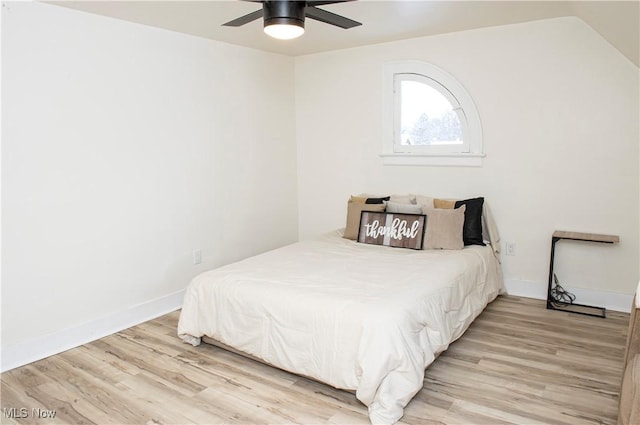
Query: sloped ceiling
column 617, row 21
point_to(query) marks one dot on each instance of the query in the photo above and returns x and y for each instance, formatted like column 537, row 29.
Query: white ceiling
column 616, row 21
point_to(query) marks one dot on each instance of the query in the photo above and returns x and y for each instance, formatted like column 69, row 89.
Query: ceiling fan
column 285, row 19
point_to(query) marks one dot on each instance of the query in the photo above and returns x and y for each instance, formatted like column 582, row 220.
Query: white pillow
column 403, row 199
column 425, row 201
column 400, row 208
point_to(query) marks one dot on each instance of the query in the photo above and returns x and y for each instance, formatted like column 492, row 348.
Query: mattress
column 357, row 317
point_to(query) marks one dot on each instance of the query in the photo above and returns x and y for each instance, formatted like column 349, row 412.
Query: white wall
column 124, row 148
column 559, row 109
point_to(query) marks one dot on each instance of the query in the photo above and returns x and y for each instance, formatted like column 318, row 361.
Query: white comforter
column 358, row 317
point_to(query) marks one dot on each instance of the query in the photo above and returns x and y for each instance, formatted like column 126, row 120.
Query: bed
column 358, row 317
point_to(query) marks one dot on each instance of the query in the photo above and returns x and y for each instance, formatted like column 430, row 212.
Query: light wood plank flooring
column 517, row 364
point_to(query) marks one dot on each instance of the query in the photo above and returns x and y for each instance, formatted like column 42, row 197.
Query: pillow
column 425, row 201
column 444, row 228
column 359, row 199
column 377, row 200
column 396, row 207
column 404, row 199
column 353, row 217
column 444, row 203
column 392, row 229
column 490, row 232
column 472, row 233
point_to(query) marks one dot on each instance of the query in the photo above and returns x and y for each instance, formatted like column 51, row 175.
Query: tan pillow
column 444, row 228
column 358, row 199
column 444, row 203
column 353, row 217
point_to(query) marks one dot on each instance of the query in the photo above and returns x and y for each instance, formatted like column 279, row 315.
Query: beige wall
column 559, row 109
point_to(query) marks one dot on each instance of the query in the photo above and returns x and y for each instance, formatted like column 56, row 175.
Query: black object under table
column 555, row 304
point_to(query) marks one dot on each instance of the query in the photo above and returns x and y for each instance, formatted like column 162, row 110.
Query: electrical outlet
column 197, row 256
column 510, row 248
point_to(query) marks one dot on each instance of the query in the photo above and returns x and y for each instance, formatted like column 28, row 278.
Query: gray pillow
column 397, row 207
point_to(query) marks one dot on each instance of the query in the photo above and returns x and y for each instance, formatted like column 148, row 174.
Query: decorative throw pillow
column 358, row 199
column 444, row 203
column 444, row 228
column 377, row 200
column 425, row 201
column 396, row 207
column 392, row 229
column 472, row 234
column 353, row 217
column 403, row 199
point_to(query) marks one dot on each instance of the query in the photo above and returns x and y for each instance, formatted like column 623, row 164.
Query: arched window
column 430, row 119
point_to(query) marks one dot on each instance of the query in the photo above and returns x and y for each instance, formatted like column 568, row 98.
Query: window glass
column 426, row 116
column 429, row 118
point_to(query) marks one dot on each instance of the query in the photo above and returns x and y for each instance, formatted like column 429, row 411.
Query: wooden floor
column 517, row 364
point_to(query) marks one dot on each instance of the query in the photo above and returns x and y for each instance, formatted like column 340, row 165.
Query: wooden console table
column 553, row 304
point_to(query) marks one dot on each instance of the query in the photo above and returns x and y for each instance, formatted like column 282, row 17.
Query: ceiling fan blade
column 330, row 18
column 245, row 19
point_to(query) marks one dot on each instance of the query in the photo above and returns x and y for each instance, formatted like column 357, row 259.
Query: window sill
column 446, row 160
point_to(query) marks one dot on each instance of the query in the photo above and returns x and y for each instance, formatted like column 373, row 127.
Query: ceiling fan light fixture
column 284, row 20
column 284, row 28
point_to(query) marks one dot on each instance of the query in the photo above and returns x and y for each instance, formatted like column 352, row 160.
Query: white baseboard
column 610, row 300
column 47, row 345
